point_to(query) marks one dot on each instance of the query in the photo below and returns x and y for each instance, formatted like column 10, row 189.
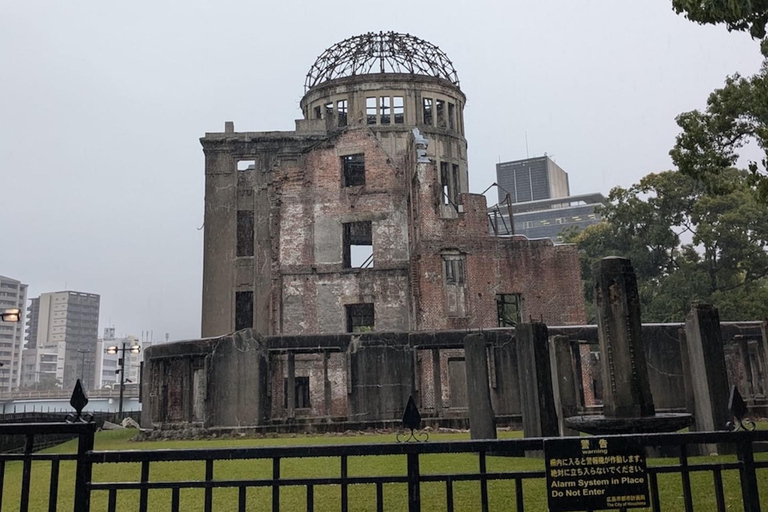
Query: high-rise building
column 61, row 344
column 13, row 294
column 531, row 179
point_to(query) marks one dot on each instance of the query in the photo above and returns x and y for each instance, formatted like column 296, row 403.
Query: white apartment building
column 62, row 330
column 13, row 294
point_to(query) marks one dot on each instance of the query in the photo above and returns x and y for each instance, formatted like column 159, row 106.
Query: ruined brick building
column 344, row 261
column 337, row 227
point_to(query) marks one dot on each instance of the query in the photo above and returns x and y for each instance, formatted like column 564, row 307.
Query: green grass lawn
column 362, row 498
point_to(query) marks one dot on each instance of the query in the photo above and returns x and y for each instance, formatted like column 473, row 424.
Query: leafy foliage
column 686, row 243
column 742, row 15
column 736, row 115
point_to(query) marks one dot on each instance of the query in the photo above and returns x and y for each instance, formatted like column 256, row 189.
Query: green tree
column 686, row 243
column 742, row 15
column 711, row 141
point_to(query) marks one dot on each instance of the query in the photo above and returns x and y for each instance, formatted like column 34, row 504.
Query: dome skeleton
column 393, row 52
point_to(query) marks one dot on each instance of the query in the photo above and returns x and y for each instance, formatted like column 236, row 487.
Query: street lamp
column 114, row 349
column 11, row 315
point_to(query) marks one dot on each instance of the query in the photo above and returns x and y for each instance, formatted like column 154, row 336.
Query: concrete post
column 763, row 349
column 536, row 394
column 437, row 382
column 291, row 385
column 627, row 392
column 564, row 383
column 706, row 358
column 327, row 392
column 482, row 422
column 690, row 400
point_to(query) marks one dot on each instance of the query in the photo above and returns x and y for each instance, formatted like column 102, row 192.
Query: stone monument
column 627, row 401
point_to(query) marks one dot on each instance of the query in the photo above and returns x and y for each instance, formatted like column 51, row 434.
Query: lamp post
column 114, row 349
column 82, row 365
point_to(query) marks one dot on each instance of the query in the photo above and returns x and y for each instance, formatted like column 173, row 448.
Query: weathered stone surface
column 626, row 393
column 536, row 394
column 709, row 377
column 482, row 422
column 564, row 383
column 381, row 379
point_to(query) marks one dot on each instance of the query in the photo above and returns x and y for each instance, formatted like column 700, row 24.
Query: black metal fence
column 166, row 493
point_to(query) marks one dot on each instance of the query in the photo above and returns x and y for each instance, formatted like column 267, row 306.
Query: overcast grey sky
column 102, row 104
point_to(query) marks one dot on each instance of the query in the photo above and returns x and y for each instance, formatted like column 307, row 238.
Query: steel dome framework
column 382, row 52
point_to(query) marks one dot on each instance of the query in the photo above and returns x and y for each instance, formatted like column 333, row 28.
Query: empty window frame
column 243, row 310
column 246, row 165
column 300, row 395
column 440, row 108
column 342, row 108
column 360, row 317
column 398, row 109
column 318, row 112
column 384, row 109
column 329, row 109
column 454, row 269
column 245, row 231
column 353, row 170
column 508, row 306
column 358, row 245
column 370, row 110
column 449, row 181
column 427, row 111
column 451, row 116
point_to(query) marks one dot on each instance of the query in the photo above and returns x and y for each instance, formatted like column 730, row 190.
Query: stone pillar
column 564, row 383
column 690, row 401
column 290, row 391
column 437, row 382
column 482, row 422
column 706, row 360
column 536, row 396
column 327, row 396
column 626, row 394
column 763, row 349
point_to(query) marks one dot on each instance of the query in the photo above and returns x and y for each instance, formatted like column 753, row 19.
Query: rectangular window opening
column 246, row 165
column 360, row 317
column 358, row 245
column 328, row 110
column 318, row 112
column 384, row 107
column 301, row 393
column 353, row 167
column 341, row 111
column 454, row 182
column 243, row 310
column 441, row 114
column 398, row 109
column 508, row 308
column 370, row 110
column 451, row 116
column 454, row 269
column 445, row 182
column 245, row 232
column 428, row 111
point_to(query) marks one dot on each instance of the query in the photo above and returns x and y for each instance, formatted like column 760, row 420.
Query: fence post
column 749, row 492
column 414, row 485
column 84, row 468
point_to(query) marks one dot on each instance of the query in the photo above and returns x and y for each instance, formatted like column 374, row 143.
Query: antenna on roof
column 526, row 145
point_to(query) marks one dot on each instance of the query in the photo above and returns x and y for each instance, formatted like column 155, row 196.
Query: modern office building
column 548, row 218
column 13, row 294
column 61, row 339
column 531, row 179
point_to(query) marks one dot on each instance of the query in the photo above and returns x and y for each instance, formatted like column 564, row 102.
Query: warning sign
column 595, row 473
